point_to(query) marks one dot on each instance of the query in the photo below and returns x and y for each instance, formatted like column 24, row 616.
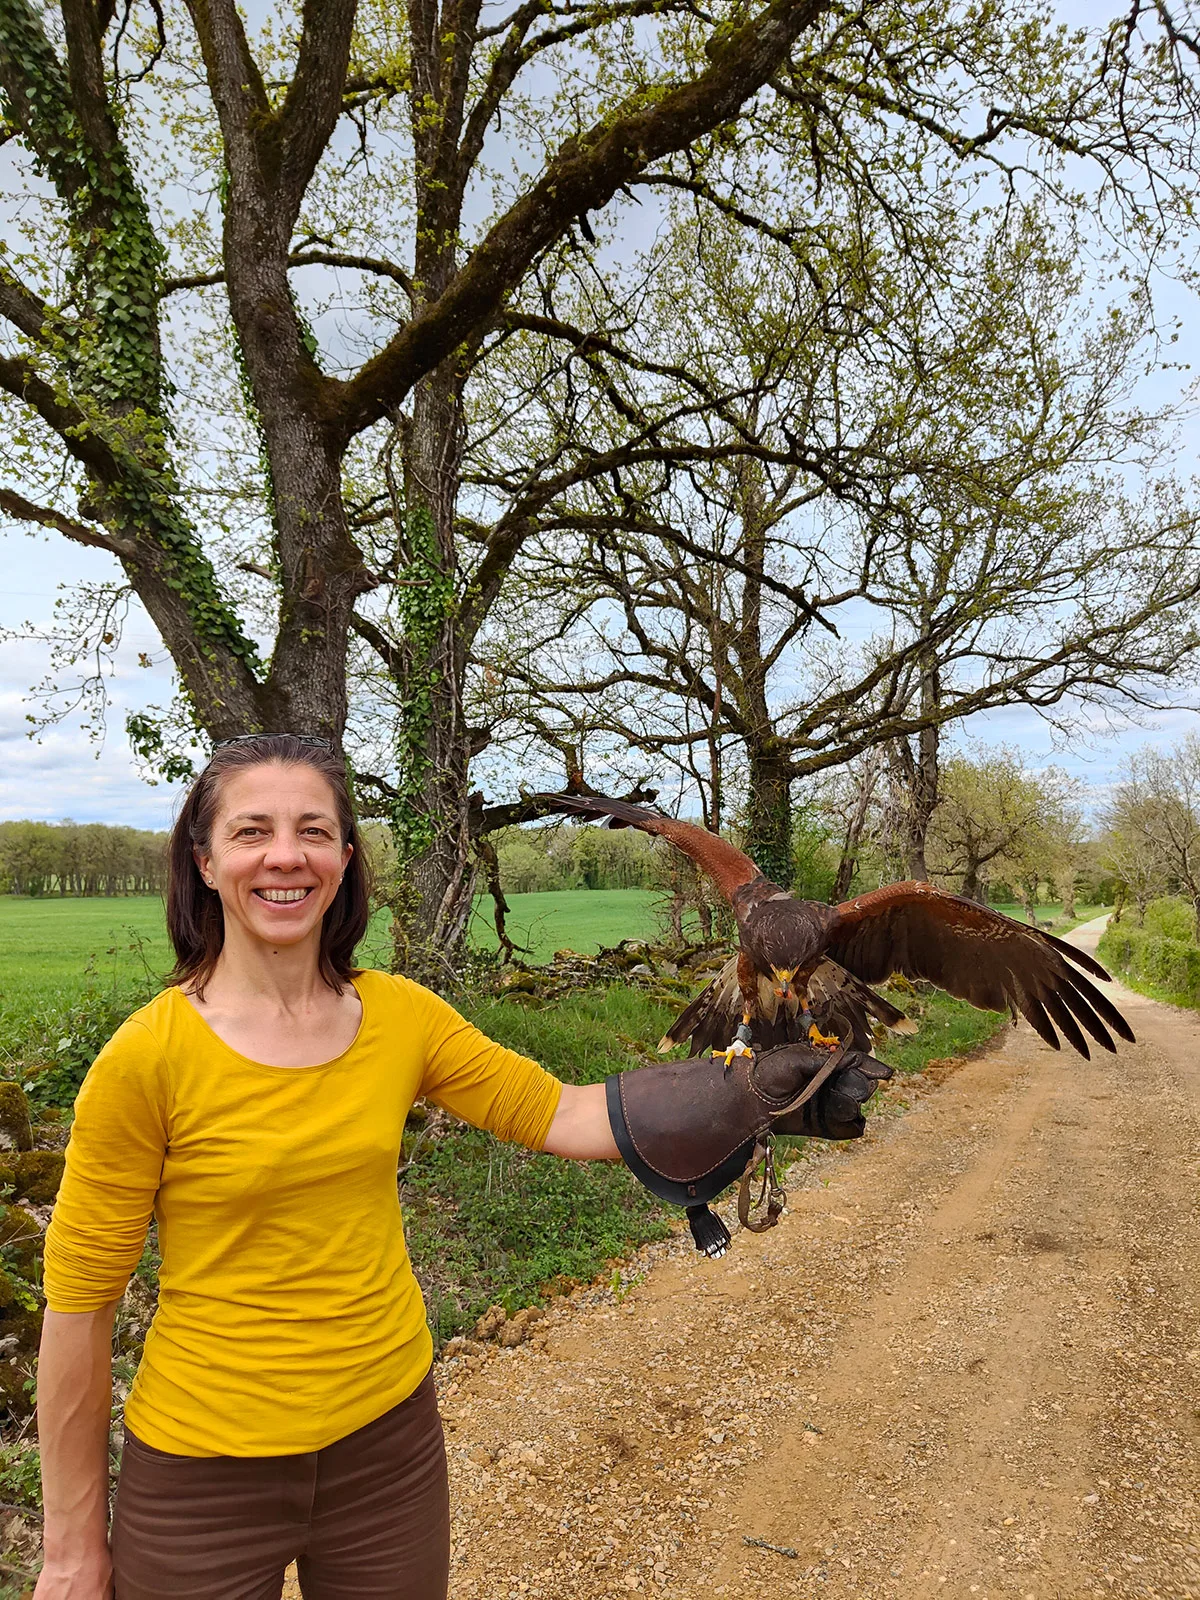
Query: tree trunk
column 769, row 815
column 917, row 770
column 1069, row 894
column 431, row 818
column 844, row 876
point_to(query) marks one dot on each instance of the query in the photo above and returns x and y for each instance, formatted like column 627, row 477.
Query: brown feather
column 724, row 863
column 840, row 1003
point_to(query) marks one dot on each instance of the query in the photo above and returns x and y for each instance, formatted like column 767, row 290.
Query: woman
column 283, row 1408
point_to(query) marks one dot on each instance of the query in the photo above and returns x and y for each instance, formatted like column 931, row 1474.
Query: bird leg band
column 687, row 1129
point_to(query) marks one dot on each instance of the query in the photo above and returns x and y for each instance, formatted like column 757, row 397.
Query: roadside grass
column 946, row 1028
column 1161, row 959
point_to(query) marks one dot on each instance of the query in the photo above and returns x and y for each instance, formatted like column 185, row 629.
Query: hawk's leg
column 816, row 1036
column 741, row 1042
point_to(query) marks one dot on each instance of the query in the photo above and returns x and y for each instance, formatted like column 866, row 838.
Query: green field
column 1053, row 914
column 51, row 949
column 577, row 919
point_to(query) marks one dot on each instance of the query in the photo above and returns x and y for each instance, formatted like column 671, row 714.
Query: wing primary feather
column 1101, row 1004
column 1079, row 1004
column 1035, row 1014
column 1080, row 957
column 1055, row 1004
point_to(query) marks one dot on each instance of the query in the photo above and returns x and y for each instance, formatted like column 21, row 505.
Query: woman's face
column 277, row 855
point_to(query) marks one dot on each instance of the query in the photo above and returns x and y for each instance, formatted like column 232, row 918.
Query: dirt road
column 966, row 1364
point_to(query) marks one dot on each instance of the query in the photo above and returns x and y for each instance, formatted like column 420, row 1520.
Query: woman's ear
column 347, row 852
column 204, row 867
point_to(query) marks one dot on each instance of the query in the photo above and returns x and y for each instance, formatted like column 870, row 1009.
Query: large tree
column 434, row 157
column 1155, row 817
column 900, row 517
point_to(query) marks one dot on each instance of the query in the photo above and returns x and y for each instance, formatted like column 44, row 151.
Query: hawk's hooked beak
column 783, row 984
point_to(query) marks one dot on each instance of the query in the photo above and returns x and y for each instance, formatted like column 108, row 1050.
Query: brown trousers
column 367, row 1516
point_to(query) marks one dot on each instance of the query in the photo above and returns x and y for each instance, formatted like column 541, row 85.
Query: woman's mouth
column 283, row 897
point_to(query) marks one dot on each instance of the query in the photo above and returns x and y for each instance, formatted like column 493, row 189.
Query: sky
column 64, row 772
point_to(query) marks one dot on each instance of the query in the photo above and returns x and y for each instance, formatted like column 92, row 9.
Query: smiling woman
column 283, row 1408
column 264, row 848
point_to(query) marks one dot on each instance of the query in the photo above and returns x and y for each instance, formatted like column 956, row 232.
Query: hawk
column 800, row 961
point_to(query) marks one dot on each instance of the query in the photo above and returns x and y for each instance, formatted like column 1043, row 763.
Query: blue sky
column 63, row 773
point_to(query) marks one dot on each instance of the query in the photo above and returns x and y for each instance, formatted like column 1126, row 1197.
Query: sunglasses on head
column 309, row 739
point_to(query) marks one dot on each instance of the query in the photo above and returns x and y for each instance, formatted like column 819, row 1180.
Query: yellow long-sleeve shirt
column 288, row 1312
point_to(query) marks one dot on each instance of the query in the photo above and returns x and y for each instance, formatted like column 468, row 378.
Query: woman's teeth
column 282, row 896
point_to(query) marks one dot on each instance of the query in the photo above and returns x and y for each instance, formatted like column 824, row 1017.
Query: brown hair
column 195, row 919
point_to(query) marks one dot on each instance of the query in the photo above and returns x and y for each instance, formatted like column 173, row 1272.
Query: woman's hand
column 87, row 1575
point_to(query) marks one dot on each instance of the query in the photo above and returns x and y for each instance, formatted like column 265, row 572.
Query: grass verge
column 1153, row 963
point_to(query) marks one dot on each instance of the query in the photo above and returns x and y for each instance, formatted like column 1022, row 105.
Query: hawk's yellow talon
column 817, row 1037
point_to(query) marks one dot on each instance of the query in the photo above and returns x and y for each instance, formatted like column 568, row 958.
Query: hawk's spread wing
column 726, row 865
column 978, row 955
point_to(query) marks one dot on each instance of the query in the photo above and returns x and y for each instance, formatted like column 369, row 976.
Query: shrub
column 62, row 1044
column 1173, row 918
column 1171, row 966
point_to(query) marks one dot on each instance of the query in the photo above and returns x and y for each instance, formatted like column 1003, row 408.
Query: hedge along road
column 967, row 1363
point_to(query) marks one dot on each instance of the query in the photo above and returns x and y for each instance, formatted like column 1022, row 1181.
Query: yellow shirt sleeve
column 484, row 1083
column 114, row 1165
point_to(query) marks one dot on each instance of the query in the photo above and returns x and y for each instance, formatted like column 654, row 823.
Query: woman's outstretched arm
column 581, row 1128
column 74, row 1404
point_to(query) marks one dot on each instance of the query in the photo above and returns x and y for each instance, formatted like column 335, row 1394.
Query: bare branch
column 17, row 506
column 583, row 177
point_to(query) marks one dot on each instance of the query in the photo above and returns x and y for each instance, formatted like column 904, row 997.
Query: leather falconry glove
column 687, row 1129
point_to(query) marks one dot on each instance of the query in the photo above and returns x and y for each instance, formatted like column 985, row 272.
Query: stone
column 16, row 1129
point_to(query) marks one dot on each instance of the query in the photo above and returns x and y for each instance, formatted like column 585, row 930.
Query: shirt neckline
column 271, row 1066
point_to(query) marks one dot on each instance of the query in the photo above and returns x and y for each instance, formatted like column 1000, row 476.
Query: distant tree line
column 80, row 858
column 567, row 857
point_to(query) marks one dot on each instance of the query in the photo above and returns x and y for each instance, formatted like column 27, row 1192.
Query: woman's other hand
column 87, row 1575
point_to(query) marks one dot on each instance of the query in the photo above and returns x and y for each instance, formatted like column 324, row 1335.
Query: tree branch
column 24, row 309
column 25, row 511
column 313, row 103
column 584, row 176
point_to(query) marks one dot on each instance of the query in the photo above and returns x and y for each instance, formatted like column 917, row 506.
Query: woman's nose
column 284, row 852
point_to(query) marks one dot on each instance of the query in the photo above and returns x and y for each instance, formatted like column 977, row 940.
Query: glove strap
column 816, row 1083
column 764, row 1152
column 771, row 1192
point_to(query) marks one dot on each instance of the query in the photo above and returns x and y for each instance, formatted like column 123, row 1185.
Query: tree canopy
column 316, row 325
